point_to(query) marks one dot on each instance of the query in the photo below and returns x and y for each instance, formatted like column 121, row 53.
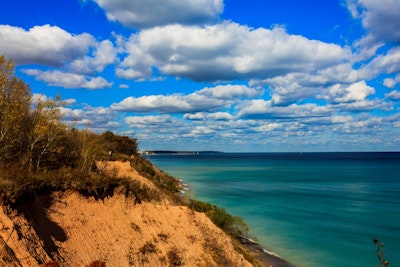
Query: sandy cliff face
column 75, row 230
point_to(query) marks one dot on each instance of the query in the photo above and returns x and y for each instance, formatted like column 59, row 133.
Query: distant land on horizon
column 192, row 152
column 150, row 152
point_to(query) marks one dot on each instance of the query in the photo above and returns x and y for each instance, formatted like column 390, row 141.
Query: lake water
column 313, row 209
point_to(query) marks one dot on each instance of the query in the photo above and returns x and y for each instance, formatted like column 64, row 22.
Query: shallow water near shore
column 313, row 209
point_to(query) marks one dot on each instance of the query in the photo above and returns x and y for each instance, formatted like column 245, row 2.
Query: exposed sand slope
column 75, row 230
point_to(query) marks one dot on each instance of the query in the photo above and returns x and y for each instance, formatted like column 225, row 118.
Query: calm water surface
column 314, row 209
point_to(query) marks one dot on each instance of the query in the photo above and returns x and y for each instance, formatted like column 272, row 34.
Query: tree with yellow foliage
column 15, row 99
column 46, row 134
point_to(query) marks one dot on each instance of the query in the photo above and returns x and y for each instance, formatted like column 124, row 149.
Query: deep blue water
column 313, row 209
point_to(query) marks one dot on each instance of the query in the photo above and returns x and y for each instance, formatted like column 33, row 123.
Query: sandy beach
column 265, row 257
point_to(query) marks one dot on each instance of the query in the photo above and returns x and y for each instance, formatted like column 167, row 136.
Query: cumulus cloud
column 149, row 13
column 393, row 95
column 267, row 127
column 387, row 63
column 68, row 80
column 298, row 86
column 45, row 45
column 379, row 17
column 199, row 131
column 362, row 106
column 264, row 109
column 340, row 93
column 220, row 116
column 230, row 92
column 100, row 119
column 293, row 87
column 138, row 64
column 104, row 54
column 390, row 83
column 225, row 51
column 201, row 116
column 348, row 83
column 168, row 104
column 198, row 116
column 207, row 99
column 362, row 124
column 143, row 121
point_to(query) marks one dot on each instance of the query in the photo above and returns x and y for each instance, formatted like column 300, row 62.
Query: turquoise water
column 313, row 209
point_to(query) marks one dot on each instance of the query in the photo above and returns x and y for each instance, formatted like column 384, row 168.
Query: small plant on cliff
column 148, row 247
column 233, row 225
column 380, row 253
column 165, row 181
column 174, row 258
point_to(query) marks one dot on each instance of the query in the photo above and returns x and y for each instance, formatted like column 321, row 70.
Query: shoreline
column 265, row 257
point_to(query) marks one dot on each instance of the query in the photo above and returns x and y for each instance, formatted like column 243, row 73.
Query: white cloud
column 199, row 131
column 147, row 121
column 298, row 86
column 46, row 45
column 168, row 104
column 202, row 116
column 261, row 109
column 362, row 124
column 137, row 65
column 226, row 51
column 361, row 106
column 198, row 116
column 390, row 83
column 68, row 80
column 99, row 119
column 393, row 95
column 104, row 54
column 381, row 64
column 230, row 92
column 379, row 17
column 349, row 82
column 150, row 13
column 220, row 116
column 268, row 127
column 207, row 99
column 341, row 93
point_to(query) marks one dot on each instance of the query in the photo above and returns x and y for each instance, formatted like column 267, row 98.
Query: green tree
column 120, row 143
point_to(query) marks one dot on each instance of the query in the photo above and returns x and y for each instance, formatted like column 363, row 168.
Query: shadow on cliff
column 36, row 212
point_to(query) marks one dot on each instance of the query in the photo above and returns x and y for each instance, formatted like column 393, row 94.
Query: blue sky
column 229, row 75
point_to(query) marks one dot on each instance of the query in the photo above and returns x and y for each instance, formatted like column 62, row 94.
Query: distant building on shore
column 144, row 152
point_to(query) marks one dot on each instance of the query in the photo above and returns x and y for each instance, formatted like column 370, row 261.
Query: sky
column 234, row 76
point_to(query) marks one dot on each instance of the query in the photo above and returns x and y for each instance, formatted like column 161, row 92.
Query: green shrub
column 164, row 181
column 233, row 225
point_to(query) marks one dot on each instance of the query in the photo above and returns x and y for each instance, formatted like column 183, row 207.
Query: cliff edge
column 66, row 228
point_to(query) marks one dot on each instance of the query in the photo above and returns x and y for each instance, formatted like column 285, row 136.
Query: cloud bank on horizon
column 193, row 75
